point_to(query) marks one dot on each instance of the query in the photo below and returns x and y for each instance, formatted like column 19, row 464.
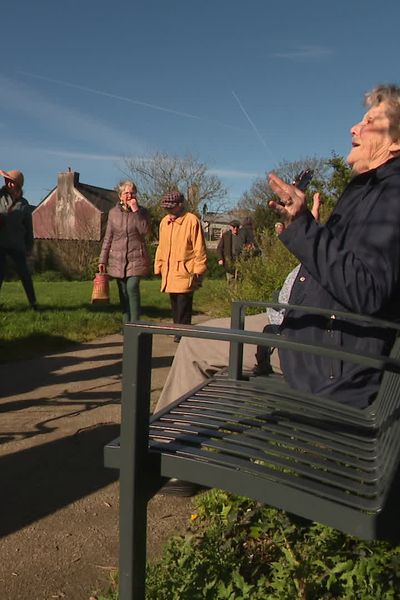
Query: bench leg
column 132, row 551
column 134, row 495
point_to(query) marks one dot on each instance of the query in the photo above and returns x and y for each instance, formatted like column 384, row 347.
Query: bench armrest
column 241, row 336
column 239, row 306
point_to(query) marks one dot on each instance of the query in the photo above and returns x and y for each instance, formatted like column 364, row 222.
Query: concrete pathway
column 58, row 505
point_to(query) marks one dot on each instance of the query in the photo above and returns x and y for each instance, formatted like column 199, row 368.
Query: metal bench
column 256, row 437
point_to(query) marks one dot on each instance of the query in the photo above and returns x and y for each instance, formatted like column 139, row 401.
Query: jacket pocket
column 185, row 269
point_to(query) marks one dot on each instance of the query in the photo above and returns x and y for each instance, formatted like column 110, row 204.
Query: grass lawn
column 66, row 314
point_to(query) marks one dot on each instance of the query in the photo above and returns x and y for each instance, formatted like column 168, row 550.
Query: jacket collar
column 177, row 220
column 389, row 168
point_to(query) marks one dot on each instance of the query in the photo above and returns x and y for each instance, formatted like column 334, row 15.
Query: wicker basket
column 101, row 289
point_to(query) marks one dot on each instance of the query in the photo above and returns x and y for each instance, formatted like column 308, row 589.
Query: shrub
column 214, row 270
column 262, row 275
column 241, row 550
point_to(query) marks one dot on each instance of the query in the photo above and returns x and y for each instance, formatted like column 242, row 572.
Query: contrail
column 258, row 134
column 130, row 100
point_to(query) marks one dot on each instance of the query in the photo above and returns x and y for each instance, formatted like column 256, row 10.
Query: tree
column 256, row 199
column 330, row 178
column 160, row 173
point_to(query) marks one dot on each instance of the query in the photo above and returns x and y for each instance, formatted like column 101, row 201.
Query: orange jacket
column 181, row 253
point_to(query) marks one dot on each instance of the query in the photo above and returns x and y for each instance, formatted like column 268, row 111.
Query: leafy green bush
column 214, row 270
column 240, row 550
column 262, row 275
column 49, row 276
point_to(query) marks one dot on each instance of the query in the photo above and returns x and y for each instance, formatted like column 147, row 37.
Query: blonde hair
column 390, row 94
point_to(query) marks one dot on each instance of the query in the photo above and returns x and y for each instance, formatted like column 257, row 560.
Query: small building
column 215, row 224
column 73, row 210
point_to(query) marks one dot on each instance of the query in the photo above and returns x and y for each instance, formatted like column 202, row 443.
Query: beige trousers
column 198, row 359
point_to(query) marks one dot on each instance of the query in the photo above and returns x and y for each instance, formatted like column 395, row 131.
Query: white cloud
column 79, row 155
column 61, row 121
column 304, row 53
column 149, row 105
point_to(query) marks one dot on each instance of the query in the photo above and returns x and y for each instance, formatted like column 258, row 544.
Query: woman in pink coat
column 124, row 254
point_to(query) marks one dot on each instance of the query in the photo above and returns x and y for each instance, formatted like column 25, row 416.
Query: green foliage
column 330, row 178
column 263, row 275
column 260, row 276
column 332, row 186
column 74, row 259
column 214, row 270
column 238, row 549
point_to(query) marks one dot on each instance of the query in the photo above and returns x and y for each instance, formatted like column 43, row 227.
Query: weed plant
column 240, row 550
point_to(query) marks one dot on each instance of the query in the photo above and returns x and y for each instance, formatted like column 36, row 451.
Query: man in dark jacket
column 350, row 264
column 16, row 231
column 230, row 247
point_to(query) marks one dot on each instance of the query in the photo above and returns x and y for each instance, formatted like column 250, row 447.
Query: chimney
column 66, row 182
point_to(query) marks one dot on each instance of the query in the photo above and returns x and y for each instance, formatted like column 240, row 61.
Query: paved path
column 58, row 505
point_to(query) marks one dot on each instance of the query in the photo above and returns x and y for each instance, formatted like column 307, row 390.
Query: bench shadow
column 45, row 370
column 40, row 480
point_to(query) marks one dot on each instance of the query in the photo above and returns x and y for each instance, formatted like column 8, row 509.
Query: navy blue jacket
column 353, row 264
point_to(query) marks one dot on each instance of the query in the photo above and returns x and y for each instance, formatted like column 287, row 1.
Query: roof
column 101, row 198
column 222, row 218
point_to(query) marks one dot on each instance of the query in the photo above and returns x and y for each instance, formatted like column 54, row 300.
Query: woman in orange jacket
column 181, row 257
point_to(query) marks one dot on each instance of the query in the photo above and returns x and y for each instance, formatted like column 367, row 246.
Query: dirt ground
column 58, row 504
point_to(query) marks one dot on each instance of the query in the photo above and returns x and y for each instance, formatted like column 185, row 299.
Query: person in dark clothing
column 16, row 231
column 349, row 264
column 230, row 247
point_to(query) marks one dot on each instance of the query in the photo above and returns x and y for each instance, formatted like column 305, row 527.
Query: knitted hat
column 171, row 199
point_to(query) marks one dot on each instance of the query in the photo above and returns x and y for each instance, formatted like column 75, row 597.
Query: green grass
column 67, row 316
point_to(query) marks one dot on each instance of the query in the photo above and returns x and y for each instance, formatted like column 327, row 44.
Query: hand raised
column 293, row 201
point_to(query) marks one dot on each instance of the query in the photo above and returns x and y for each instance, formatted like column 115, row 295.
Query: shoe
column 34, row 307
column 184, row 489
column 177, row 339
column 262, row 369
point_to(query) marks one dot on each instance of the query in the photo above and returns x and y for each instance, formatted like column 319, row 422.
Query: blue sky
column 240, row 84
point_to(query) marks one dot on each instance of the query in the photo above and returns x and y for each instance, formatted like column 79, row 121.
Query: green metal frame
column 311, row 456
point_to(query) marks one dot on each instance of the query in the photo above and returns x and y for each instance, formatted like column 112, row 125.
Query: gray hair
column 125, row 183
column 390, row 94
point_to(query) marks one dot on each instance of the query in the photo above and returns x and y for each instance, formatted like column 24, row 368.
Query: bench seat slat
column 307, row 463
column 312, row 485
column 257, row 397
column 261, row 440
column 341, row 442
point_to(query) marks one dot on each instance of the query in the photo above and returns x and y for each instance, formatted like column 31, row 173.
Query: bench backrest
column 387, row 402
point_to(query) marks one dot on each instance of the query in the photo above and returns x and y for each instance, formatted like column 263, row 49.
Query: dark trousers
column 19, row 259
column 129, row 297
column 182, row 305
column 264, row 352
